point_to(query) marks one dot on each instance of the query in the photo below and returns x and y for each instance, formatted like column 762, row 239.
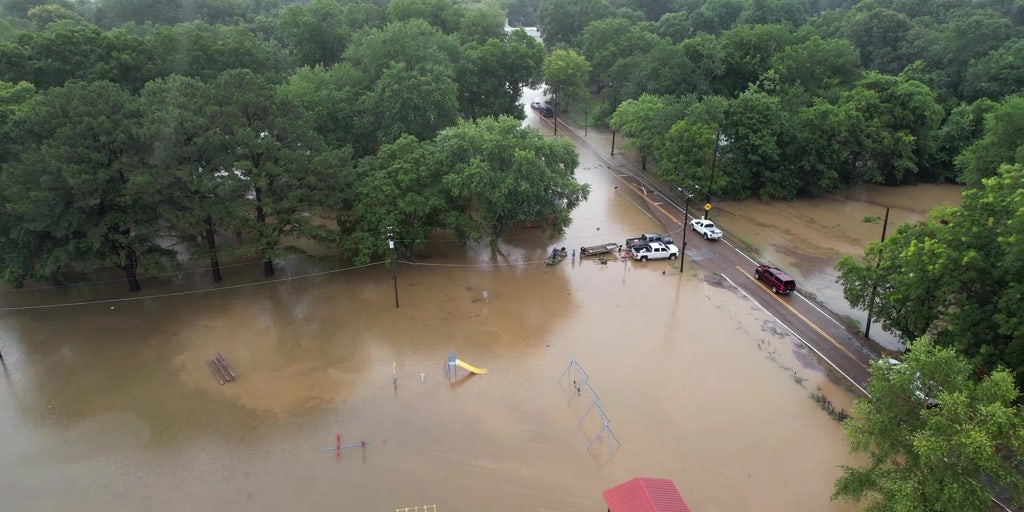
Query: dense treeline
column 795, row 99
column 133, row 132
column 150, row 123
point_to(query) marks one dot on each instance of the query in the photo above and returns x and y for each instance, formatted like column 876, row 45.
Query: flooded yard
column 110, row 406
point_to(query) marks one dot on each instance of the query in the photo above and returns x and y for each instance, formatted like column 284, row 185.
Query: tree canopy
column 957, row 276
column 933, row 435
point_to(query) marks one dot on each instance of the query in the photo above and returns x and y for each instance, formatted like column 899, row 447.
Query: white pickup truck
column 654, row 251
column 706, row 228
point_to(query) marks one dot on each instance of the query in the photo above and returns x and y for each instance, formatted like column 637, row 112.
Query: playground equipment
column 338, row 447
column 581, row 382
column 450, row 371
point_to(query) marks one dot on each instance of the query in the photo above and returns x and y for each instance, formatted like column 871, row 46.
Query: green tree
column 414, row 43
column 290, row 174
column 693, row 143
column 716, row 16
column 401, row 187
column 1001, row 143
column 748, row 54
column 444, row 15
column 315, row 32
column 502, row 176
column 73, row 185
column 562, row 21
column 203, row 51
column 330, row 97
column 996, row 75
column 948, row 49
column 189, row 162
column 763, row 12
column 879, row 34
column 901, row 121
column 605, row 42
column 565, row 73
column 826, row 140
column 418, row 102
column 481, row 23
column 492, row 75
column 932, row 459
column 646, row 120
column 964, row 126
column 751, row 159
column 818, row 65
column 956, row 276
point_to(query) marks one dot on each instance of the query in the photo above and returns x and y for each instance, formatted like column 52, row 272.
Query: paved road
column 845, row 350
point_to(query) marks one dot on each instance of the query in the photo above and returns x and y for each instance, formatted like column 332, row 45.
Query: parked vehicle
column 922, row 392
column 542, row 108
column 706, row 228
column 654, row 251
column 647, row 238
column 777, row 280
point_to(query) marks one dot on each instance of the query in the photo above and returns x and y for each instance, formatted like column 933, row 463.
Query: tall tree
column 290, row 174
column 933, row 459
column 1001, row 143
column 189, row 162
column 492, row 76
column 565, row 73
column 419, row 102
column 315, row 32
column 996, row 75
column 605, row 42
column 402, row 188
column 562, row 21
column 879, row 34
column 74, row 184
column 502, row 176
column 902, row 119
column 646, row 120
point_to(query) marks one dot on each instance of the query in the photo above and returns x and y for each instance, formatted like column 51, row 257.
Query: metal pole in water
column 394, row 262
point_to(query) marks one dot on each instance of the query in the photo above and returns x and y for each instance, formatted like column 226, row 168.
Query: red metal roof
column 643, row 494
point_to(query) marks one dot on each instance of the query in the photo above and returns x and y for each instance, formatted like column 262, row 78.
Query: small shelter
column 644, row 494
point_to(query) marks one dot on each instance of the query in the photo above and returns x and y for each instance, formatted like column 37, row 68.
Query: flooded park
column 109, row 405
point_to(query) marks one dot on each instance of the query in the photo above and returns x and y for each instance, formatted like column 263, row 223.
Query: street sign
column 707, row 207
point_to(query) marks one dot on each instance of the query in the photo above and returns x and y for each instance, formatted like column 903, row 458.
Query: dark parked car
column 777, row 280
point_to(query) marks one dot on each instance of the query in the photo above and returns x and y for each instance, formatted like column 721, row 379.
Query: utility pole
column 586, row 113
column 613, row 142
column 711, row 181
column 874, row 288
column 686, row 217
column 394, row 262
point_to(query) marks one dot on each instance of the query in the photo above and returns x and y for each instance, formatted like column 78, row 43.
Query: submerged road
column 845, row 350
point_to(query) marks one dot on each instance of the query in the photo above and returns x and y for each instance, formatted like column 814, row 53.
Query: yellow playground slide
column 462, row 364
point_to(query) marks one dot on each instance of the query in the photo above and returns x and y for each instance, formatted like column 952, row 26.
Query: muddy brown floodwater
column 808, row 236
column 110, row 407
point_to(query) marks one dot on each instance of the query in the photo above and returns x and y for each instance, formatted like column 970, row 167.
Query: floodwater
column 109, row 406
column 808, row 236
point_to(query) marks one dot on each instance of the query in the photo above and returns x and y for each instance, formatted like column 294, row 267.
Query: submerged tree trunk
column 261, row 222
column 130, row 268
column 211, row 244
